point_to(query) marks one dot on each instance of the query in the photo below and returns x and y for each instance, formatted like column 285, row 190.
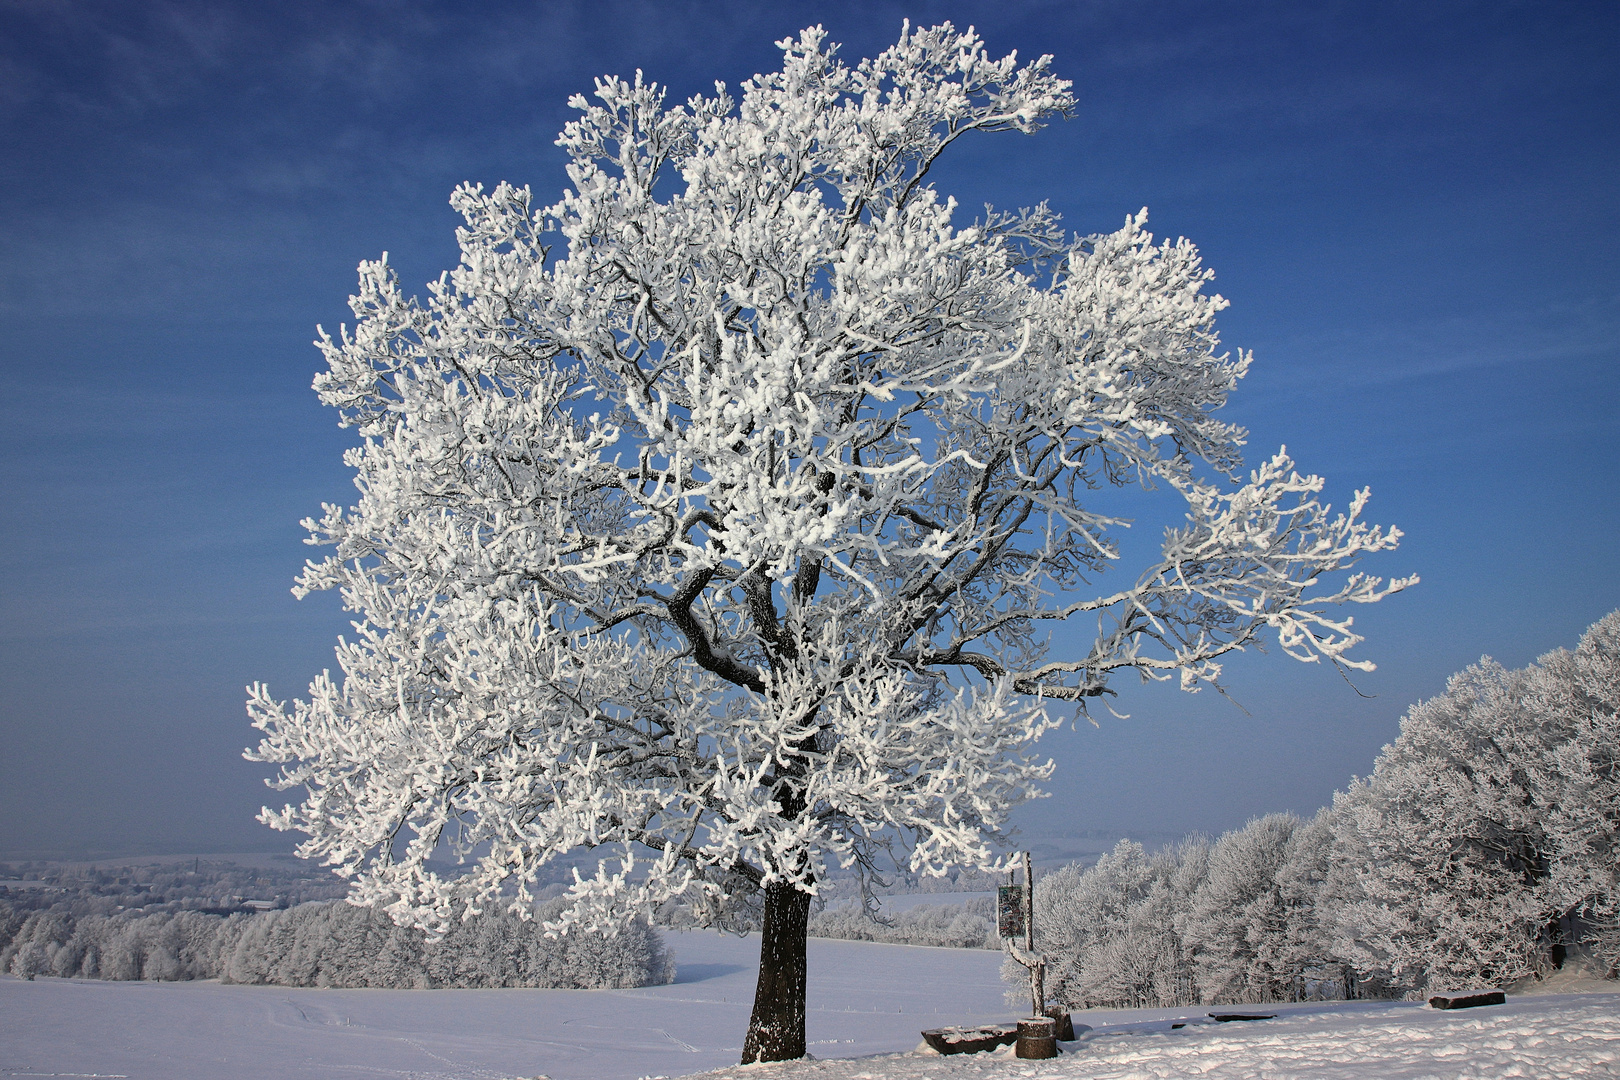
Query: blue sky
column 1412, row 207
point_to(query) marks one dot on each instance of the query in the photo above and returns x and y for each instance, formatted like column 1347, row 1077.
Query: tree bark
column 776, row 1028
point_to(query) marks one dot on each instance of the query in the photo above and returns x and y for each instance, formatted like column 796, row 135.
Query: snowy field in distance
column 898, row 902
column 864, row 999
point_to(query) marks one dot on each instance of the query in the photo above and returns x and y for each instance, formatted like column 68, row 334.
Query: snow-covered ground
column 1549, row 1037
column 864, row 1000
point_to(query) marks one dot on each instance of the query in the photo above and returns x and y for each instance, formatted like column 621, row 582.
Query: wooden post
column 1025, row 953
column 1037, row 967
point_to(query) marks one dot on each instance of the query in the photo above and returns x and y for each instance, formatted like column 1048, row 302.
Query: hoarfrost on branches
column 1576, row 697
column 722, row 506
column 1482, row 850
column 1250, row 926
column 1446, row 842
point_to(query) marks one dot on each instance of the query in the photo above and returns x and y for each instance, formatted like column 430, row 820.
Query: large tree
column 1574, row 698
column 1446, row 842
column 719, row 511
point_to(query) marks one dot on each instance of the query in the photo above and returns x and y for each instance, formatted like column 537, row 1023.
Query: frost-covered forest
column 182, row 923
column 207, row 920
column 1482, row 849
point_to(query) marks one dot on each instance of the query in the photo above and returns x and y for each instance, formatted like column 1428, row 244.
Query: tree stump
column 1037, row 1038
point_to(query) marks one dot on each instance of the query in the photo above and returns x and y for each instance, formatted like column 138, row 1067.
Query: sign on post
column 1010, row 912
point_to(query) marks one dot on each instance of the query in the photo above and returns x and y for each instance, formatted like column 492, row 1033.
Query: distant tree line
column 903, row 882
column 969, row 925
column 1483, row 846
column 187, row 921
column 187, row 885
column 330, row 943
column 841, row 911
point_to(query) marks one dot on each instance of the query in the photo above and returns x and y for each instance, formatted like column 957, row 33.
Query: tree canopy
column 721, row 509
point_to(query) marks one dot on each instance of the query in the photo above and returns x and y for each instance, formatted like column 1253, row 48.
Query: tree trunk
column 776, row 1029
column 1555, row 941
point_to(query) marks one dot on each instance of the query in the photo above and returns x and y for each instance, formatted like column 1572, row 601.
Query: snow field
column 867, row 1006
column 863, row 999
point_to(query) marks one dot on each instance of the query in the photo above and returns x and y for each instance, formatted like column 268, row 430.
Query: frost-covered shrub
column 1110, row 932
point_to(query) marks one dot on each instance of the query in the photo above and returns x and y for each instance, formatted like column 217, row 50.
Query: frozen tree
column 1303, row 894
column 1575, row 696
column 1236, row 910
column 1253, row 924
column 718, row 510
column 1078, row 908
column 1233, row 921
column 1446, row 842
column 1111, row 932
